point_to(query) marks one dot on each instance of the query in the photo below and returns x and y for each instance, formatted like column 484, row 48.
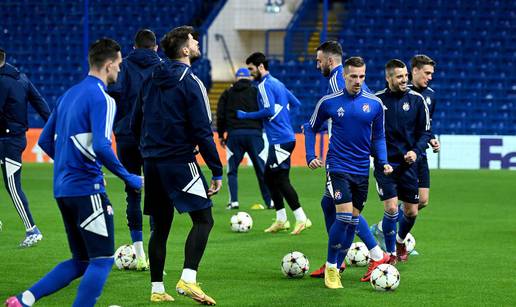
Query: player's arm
column 434, row 142
column 423, row 132
column 101, row 117
column 292, row 100
column 221, row 116
column 319, row 116
column 197, row 111
column 268, row 99
column 46, row 138
column 378, row 140
column 4, row 93
column 38, row 102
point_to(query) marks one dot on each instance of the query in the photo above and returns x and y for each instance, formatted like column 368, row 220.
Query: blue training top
column 275, row 101
column 78, row 137
column 357, row 126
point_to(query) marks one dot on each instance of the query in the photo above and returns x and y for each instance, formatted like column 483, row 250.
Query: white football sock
column 158, row 287
column 398, row 239
column 300, row 214
column 376, row 253
column 234, row 204
column 331, row 265
column 189, row 275
column 138, row 248
column 281, row 215
column 28, row 298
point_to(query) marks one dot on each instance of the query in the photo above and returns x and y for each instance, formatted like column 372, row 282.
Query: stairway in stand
column 217, row 88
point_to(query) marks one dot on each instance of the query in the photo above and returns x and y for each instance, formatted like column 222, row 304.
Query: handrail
column 227, row 55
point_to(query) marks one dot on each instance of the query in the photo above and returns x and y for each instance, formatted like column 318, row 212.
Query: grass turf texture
column 465, row 238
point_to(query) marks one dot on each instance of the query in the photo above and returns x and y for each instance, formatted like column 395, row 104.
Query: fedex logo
column 491, row 150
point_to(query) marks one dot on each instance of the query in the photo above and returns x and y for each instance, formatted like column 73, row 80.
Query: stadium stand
column 473, row 42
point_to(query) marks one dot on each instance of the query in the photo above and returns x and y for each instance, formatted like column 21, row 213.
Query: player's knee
column 391, row 207
column 423, row 203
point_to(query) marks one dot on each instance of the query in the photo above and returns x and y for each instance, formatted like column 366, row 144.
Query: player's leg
column 11, row 160
column 255, row 147
column 131, row 159
column 235, row 154
column 158, row 205
column 423, row 173
column 270, row 176
column 97, row 230
column 66, row 271
column 328, row 207
column 343, row 229
column 408, row 193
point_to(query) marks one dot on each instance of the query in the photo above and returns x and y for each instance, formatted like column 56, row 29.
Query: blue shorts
column 279, row 156
column 88, row 222
column 176, row 184
column 423, row 173
column 345, row 188
column 402, row 183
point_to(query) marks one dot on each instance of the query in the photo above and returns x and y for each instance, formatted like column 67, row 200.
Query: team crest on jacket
column 340, row 112
column 406, row 106
column 428, row 101
column 338, row 195
column 366, row 108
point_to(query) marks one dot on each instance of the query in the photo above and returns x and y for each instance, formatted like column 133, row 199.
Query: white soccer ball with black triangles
column 385, row 277
column 410, row 242
column 295, row 265
column 358, row 254
column 125, row 257
column 241, row 222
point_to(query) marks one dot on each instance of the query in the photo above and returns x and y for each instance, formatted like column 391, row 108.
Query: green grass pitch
column 466, row 241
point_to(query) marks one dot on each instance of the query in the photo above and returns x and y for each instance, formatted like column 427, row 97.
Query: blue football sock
column 406, row 224
column 93, row 282
column 62, row 274
column 328, row 208
column 365, row 234
column 350, row 235
column 389, row 230
column 337, row 235
column 136, row 235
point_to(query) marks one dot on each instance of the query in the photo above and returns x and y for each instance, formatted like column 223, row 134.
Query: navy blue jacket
column 15, row 91
column 135, row 68
column 407, row 123
column 429, row 95
column 172, row 116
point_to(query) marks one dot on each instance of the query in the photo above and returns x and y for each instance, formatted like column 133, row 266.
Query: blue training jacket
column 407, row 123
column 357, row 127
column 428, row 94
column 16, row 91
column 78, row 137
column 275, row 101
column 134, row 70
column 172, row 116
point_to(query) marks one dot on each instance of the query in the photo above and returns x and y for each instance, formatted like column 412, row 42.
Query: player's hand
column 214, row 187
column 387, row 169
column 436, row 146
column 241, row 114
column 222, row 142
column 315, row 163
column 410, row 157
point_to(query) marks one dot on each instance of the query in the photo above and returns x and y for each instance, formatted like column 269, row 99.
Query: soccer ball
column 295, row 265
column 410, row 242
column 241, row 222
column 125, row 257
column 385, row 278
column 358, row 254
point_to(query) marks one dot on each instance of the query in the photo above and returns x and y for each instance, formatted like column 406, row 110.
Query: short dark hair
column 420, row 60
column 145, row 38
column 354, row 61
column 330, row 47
column 175, row 40
column 256, row 59
column 101, row 51
column 394, row 63
column 2, row 56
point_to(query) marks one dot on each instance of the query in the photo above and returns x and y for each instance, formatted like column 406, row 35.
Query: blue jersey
column 407, row 123
column 78, row 137
column 358, row 126
column 336, row 81
column 275, row 101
